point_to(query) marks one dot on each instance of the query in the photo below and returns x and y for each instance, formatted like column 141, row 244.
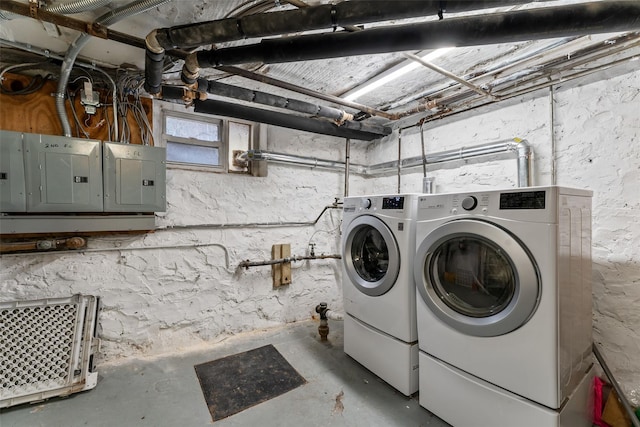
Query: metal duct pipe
column 353, row 130
column 513, row 26
column 258, row 155
column 77, row 6
column 516, row 145
column 399, row 162
column 347, row 165
column 525, row 176
column 519, row 146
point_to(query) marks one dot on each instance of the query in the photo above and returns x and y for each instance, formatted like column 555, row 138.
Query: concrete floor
column 165, row 391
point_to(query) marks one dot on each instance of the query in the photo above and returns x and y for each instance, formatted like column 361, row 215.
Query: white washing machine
column 504, row 306
column 378, row 244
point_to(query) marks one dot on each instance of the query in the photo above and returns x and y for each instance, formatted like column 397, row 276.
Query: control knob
column 366, row 203
column 469, row 203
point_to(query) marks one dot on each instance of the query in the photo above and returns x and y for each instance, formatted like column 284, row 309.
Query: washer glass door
column 477, row 278
column 371, row 256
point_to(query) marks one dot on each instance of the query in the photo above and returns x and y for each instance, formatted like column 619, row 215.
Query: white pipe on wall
column 520, row 147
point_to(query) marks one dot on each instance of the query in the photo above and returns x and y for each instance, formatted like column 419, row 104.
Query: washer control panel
column 470, row 203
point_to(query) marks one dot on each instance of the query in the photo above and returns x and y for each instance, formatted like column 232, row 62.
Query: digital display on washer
column 393, row 203
column 523, row 200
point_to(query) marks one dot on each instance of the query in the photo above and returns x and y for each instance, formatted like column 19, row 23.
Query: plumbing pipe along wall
column 519, row 147
column 347, row 163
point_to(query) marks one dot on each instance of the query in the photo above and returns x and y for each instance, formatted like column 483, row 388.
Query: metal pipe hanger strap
column 505, row 27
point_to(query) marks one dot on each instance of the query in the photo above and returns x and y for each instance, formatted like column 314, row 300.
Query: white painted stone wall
column 168, row 290
column 597, row 139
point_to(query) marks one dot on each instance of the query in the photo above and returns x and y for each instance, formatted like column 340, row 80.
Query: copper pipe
column 45, row 244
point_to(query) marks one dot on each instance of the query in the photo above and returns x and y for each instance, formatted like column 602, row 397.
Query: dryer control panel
column 523, row 200
column 393, row 202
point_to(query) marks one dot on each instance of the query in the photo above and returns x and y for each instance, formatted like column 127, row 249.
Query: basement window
column 193, row 141
column 206, row 143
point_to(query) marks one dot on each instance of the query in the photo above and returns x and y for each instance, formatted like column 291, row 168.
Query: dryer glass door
column 371, row 256
column 477, row 278
column 472, row 276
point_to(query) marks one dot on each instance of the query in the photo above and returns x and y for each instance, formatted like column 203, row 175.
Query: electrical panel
column 12, row 188
column 134, row 178
column 63, row 174
column 57, row 176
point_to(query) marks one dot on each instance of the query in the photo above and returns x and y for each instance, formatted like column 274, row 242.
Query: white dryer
column 378, row 244
column 504, row 306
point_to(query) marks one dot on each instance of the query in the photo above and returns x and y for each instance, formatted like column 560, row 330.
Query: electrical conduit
column 66, row 9
column 76, row 46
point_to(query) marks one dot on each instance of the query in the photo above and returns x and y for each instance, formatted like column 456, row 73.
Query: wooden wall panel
column 36, row 113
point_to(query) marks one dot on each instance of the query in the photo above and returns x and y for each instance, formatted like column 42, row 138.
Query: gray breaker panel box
column 134, row 178
column 12, row 189
column 63, row 174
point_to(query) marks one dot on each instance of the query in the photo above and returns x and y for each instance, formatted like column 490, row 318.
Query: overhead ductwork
column 291, row 21
column 506, row 27
column 352, row 130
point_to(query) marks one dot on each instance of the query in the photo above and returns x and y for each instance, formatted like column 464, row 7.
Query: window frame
column 221, row 144
column 254, row 129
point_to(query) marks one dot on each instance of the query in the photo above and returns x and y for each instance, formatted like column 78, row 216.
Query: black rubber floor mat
column 235, row 383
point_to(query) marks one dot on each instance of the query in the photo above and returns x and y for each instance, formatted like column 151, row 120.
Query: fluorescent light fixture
column 393, row 74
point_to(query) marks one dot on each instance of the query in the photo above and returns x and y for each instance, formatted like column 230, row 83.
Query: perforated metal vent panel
column 46, row 348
